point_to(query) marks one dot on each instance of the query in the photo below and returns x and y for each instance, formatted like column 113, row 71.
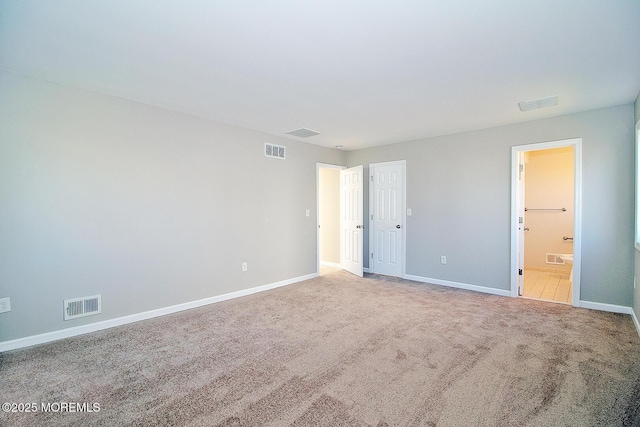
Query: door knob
column 398, row 226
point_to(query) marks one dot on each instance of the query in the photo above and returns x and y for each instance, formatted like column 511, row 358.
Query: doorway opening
column 546, row 218
column 340, row 227
column 328, row 191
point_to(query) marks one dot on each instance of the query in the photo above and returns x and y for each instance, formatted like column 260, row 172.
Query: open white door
column 351, row 220
column 521, row 225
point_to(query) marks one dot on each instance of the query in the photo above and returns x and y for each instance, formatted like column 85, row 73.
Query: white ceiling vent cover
column 303, row 133
column 275, row 151
column 81, row 307
column 552, row 101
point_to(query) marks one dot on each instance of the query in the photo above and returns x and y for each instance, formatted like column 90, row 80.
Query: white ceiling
column 362, row 73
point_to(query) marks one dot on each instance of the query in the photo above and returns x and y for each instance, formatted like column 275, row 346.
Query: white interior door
column 387, row 218
column 351, row 220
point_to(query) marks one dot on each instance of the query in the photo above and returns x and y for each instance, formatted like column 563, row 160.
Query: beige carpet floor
column 342, row 351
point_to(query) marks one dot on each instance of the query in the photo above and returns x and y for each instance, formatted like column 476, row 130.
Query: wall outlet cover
column 5, row 304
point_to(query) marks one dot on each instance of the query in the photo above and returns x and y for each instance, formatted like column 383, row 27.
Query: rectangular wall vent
column 275, row 151
column 554, row 259
column 81, row 307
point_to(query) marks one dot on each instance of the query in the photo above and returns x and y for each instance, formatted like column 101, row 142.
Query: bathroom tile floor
column 547, row 286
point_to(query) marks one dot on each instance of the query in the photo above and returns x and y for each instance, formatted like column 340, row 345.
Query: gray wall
column 459, row 190
column 146, row 206
column 152, row 208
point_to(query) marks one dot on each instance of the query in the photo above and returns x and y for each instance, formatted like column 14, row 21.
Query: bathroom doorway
column 546, row 213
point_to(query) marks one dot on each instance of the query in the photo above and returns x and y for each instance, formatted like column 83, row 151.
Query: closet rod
column 557, row 209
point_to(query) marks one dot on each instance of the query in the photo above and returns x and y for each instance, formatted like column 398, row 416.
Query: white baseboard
column 605, row 307
column 93, row 327
column 459, row 285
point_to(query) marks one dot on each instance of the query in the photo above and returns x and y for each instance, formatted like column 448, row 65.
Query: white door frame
column 318, row 167
column 403, row 212
column 577, row 223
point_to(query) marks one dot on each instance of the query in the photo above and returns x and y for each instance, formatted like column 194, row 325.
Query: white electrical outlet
column 307, row 212
column 244, row 266
column 443, row 259
column 5, row 305
column 409, row 212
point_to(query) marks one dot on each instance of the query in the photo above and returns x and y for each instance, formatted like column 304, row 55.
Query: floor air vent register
column 81, row 307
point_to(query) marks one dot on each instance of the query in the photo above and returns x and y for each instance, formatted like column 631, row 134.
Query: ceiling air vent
column 538, row 103
column 275, row 151
column 303, row 133
column 80, row 307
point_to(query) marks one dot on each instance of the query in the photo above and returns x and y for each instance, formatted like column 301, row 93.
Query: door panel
column 388, row 218
column 351, row 220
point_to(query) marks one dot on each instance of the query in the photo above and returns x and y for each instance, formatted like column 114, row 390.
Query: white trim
column 403, row 213
column 637, row 182
column 93, row 327
column 635, row 321
column 459, row 285
column 577, row 225
column 612, row 308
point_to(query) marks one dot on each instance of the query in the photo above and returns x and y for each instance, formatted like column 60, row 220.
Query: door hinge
column 519, row 272
column 371, row 254
column 371, row 178
column 371, row 217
